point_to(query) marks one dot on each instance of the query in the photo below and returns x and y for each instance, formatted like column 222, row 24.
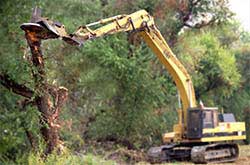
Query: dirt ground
column 244, row 155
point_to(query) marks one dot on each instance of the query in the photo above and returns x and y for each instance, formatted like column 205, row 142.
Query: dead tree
column 47, row 98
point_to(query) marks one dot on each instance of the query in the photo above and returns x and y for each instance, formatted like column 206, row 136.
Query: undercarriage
column 197, row 153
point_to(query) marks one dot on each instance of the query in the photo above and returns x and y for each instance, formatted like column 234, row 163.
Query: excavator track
column 168, row 153
column 215, row 153
column 210, row 153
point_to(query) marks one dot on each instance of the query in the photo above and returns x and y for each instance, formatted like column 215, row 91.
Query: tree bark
column 19, row 89
column 49, row 99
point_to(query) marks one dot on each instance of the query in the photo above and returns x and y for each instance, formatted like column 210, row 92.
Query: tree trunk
column 49, row 99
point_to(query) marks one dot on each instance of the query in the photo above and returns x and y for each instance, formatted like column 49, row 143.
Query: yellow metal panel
column 171, row 137
column 226, row 127
column 223, row 138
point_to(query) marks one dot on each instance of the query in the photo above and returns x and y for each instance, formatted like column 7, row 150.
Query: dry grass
column 244, row 155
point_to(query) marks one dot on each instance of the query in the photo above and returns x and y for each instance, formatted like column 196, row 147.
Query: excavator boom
column 141, row 22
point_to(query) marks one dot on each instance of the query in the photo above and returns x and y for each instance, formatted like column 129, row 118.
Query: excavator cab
column 200, row 118
column 206, row 124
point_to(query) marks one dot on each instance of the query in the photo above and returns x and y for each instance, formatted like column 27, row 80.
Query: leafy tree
column 136, row 93
column 239, row 102
column 213, row 67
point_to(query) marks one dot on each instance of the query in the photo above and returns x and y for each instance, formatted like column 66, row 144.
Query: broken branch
column 13, row 86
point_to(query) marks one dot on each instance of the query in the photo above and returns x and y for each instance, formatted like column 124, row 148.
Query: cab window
column 208, row 119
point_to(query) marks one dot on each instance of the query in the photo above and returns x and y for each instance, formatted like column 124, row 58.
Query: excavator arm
column 138, row 22
column 141, row 22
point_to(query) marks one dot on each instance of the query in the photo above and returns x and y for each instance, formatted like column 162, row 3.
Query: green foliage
column 136, row 93
column 239, row 103
column 67, row 159
column 212, row 66
column 14, row 124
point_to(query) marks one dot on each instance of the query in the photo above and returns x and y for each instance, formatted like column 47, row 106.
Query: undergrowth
column 63, row 159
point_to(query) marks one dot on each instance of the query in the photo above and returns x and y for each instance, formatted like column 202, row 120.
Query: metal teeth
column 72, row 41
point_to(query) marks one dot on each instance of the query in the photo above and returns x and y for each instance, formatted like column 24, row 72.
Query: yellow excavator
column 202, row 133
